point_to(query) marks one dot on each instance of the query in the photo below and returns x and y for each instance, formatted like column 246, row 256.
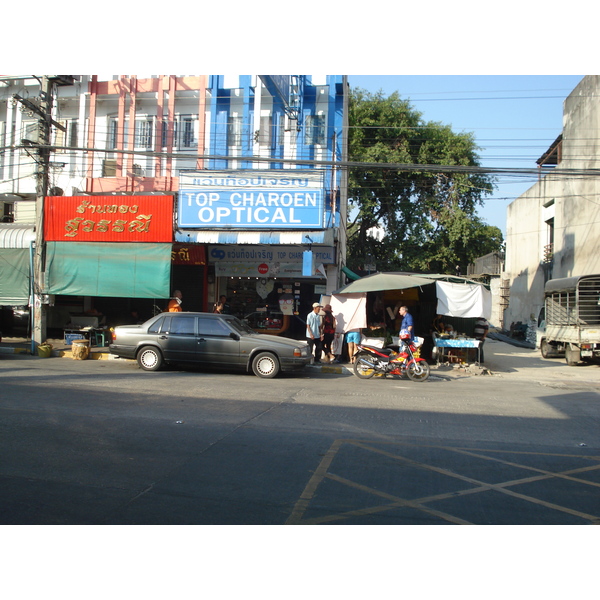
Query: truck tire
column 545, row 348
column 572, row 355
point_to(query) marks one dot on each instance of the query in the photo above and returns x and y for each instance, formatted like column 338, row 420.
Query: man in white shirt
column 314, row 335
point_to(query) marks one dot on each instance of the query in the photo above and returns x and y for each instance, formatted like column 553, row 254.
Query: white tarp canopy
column 456, row 296
column 350, row 311
column 460, row 300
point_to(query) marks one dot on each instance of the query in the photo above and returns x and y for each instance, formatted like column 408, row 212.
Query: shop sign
column 251, row 199
column 267, row 261
column 274, row 269
column 188, row 254
column 108, row 218
column 247, row 253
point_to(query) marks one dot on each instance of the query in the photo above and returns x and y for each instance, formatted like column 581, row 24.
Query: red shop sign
column 188, row 254
column 108, row 218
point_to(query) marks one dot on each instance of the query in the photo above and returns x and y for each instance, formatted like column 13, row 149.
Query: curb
column 9, row 350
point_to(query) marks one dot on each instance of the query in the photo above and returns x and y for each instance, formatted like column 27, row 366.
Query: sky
column 514, row 118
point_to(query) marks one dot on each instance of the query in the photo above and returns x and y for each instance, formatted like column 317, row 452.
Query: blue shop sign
column 251, row 199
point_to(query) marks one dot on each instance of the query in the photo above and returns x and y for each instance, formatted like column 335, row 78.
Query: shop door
column 215, row 344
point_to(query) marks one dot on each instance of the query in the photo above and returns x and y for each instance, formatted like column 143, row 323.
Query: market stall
column 371, row 304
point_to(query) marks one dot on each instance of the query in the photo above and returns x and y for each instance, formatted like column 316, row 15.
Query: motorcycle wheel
column 418, row 370
column 362, row 370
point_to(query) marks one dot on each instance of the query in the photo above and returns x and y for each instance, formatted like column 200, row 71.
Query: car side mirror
column 234, row 336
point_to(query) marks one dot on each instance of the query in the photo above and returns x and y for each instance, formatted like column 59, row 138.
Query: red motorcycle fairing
column 381, row 353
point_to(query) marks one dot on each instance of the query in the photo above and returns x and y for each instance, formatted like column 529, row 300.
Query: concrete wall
column 574, row 203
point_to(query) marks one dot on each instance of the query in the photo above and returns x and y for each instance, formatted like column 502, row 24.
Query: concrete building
column 553, row 229
column 240, row 169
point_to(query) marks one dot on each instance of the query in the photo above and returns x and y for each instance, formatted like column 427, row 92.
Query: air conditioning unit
column 109, row 167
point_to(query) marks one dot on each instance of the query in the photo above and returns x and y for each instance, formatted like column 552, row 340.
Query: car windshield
column 241, row 326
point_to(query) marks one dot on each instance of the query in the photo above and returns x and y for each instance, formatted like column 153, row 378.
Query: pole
column 39, row 322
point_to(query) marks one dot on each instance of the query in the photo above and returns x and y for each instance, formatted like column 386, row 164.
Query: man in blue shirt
column 407, row 326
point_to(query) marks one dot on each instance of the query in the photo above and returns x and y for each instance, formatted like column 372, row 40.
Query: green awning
column 384, row 281
column 123, row 270
column 14, row 276
column 351, row 274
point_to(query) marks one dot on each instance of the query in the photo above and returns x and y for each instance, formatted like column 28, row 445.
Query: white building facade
column 553, row 229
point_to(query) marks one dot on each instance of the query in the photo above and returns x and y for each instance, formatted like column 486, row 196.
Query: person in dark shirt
column 226, row 309
column 480, row 332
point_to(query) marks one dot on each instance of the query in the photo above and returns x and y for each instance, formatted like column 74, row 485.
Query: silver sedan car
column 207, row 339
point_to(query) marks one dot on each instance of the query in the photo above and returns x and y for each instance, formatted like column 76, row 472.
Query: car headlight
column 299, row 352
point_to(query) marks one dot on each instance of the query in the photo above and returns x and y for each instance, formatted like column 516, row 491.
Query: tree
column 413, row 220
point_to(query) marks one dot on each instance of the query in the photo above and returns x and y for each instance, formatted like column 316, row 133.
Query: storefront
column 15, row 270
column 269, row 248
column 107, row 257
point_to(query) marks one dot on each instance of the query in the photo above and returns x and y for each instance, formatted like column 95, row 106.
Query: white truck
column 569, row 322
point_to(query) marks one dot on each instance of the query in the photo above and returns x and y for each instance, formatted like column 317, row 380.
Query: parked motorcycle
column 392, row 360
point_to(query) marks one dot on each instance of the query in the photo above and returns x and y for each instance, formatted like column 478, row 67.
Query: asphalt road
column 101, row 442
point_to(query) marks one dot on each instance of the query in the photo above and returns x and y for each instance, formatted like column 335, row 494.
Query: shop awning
column 16, row 235
column 14, row 276
column 119, row 270
column 15, row 243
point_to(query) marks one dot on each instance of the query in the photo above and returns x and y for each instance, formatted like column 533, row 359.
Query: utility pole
column 43, row 109
column 39, row 327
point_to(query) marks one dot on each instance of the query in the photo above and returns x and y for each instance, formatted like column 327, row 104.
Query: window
column 264, row 134
column 208, row 326
column 315, row 130
column 73, row 133
column 165, row 132
column 185, row 132
column 143, row 133
column 156, row 326
column 68, row 137
column 234, row 132
column 183, row 325
column 113, row 133
column 280, row 129
column 187, row 129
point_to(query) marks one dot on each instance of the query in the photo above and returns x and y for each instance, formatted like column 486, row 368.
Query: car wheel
column 265, row 365
column 150, row 358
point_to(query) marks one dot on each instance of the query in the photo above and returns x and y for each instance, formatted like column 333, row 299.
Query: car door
column 177, row 338
column 215, row 345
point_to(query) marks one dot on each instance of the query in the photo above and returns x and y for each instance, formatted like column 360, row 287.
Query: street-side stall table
column 444, row 344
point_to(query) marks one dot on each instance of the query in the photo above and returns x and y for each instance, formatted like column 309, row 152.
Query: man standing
column 407, row 327
column 313, row 331
column 226, row 308
column 480, row 332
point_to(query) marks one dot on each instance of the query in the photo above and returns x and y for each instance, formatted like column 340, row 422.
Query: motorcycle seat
column 376, row 350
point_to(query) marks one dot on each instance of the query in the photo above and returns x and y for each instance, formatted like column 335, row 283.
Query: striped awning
column 16, row 235
column 254, row 237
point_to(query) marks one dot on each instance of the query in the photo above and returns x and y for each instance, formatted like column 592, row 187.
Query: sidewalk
column 22, row 346
column 502, row 360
